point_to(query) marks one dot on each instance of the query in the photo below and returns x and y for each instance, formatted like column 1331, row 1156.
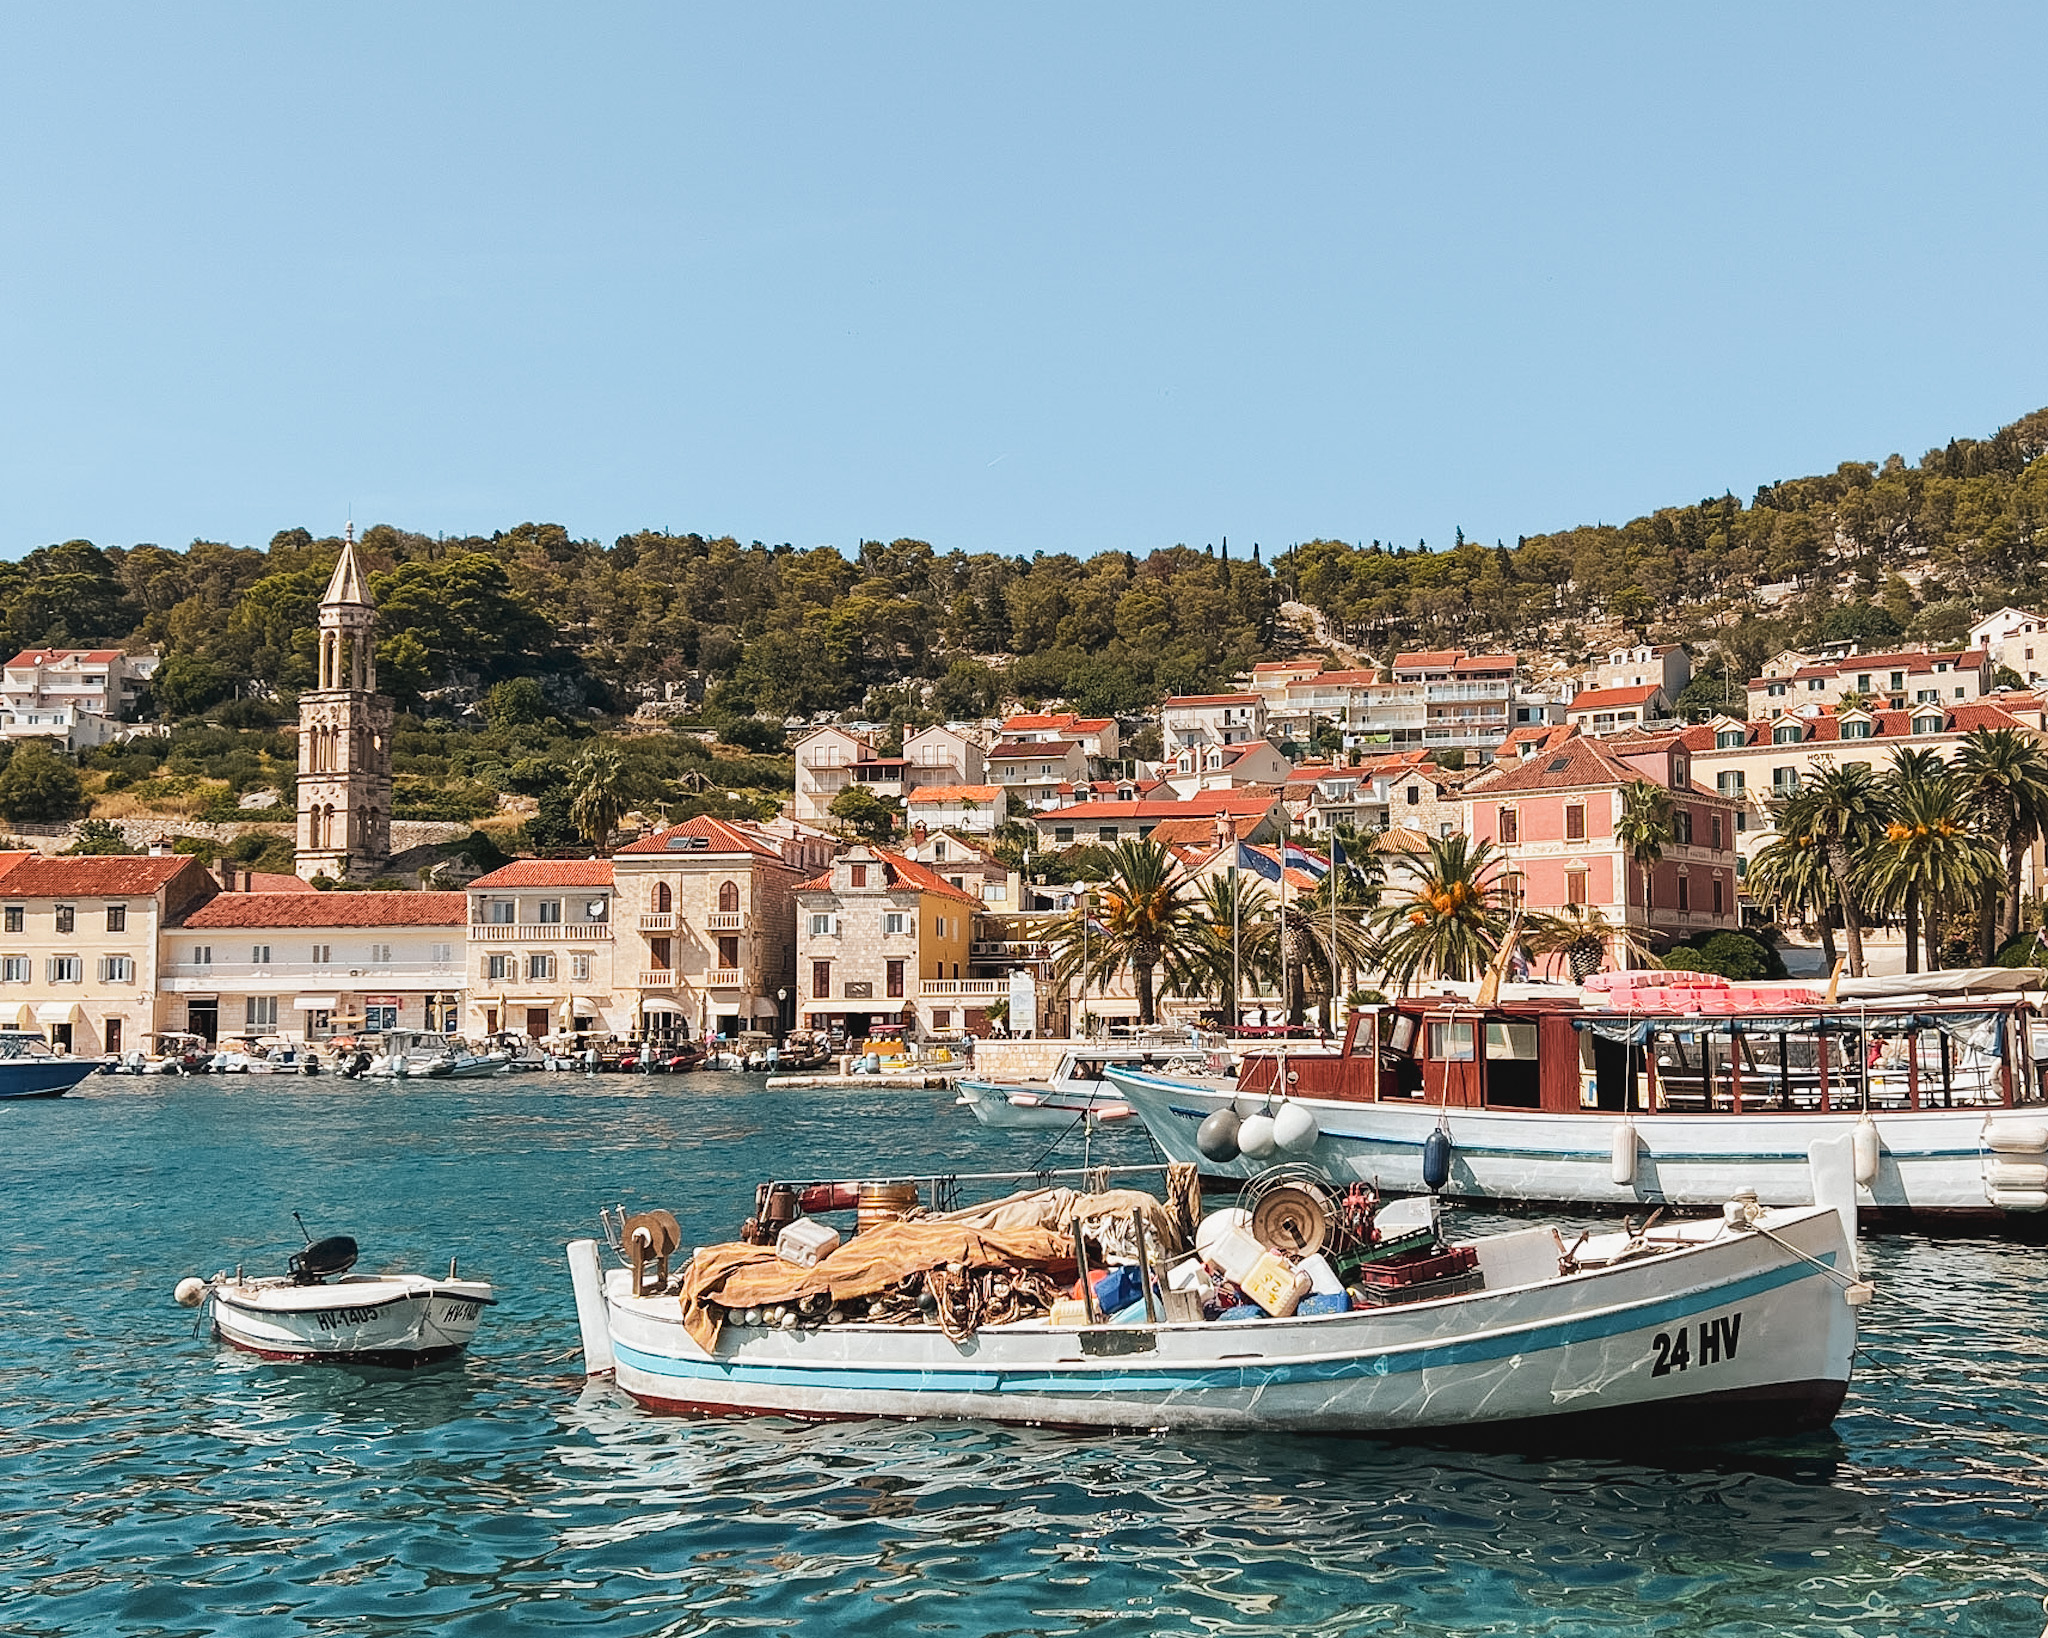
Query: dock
column 918, row 1082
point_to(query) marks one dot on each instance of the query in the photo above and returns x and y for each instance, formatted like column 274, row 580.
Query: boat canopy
column 1961, row 981
column 1979, row 1031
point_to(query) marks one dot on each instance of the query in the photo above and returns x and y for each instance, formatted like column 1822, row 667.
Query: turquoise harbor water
column 152, row 1482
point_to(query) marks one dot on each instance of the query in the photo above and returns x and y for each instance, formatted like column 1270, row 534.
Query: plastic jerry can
column 1322, row 1278
column 1236, row 1253
column 806, row 1242
column 1276, row 1285
column 1068, row 1311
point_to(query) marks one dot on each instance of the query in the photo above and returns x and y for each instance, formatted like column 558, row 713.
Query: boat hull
column 43, row 1077
column 994, row 1104
column 1767, row 1340
column 395, row 1320
column 1930, row 1163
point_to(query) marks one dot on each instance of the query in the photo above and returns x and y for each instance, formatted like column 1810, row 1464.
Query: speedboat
column 1739, row 1325
column 426, row 1055
column 320, row 1312
column 29, row 1069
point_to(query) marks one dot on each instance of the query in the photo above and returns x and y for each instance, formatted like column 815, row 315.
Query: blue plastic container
column 1118, row 1289
column 1324, row 1302
column 1243, row 1311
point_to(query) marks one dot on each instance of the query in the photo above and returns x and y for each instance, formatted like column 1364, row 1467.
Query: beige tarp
column 1029, row 1230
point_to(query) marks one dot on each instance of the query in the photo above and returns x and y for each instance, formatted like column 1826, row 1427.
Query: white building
column 1212, row 719
column 2016, row 640
column 73, row 695
column 825, row 758
column 310, row 965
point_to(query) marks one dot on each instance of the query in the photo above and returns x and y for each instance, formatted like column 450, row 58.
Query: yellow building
column 540, row 950
column 882, row 940
column 80, row 941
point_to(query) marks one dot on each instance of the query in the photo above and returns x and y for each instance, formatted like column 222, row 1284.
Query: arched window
column 664, row 901
column 728, row 895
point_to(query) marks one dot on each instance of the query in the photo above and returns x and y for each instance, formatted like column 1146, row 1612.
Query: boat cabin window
column 1402, row 1036
column 1511, row 1074
column 1451, row 1042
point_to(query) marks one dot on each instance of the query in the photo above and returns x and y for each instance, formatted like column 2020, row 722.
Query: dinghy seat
column 334, row 1255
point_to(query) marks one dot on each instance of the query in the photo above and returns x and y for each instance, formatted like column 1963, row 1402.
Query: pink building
column 1552, row 816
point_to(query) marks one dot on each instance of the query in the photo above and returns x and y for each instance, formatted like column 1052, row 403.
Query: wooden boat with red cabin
column 1650, row 1089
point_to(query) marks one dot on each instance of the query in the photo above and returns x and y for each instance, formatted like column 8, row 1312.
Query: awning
column 24, row 1016
column 316, row 1003
column 659, row 1004
column 60, row 1012
column 581, row 1006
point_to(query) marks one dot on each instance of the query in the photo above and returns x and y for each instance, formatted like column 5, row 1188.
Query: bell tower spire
column 345, row 736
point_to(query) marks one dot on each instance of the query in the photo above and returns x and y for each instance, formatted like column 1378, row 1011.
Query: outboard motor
column 334, row 1255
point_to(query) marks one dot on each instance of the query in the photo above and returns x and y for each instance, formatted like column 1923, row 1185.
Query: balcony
column 540, row 932
column 284, row 977
column 943, row 989
column 663, row 978
column 1436, row 692
column 726, row 921
column 725, row 978
column 657, row 921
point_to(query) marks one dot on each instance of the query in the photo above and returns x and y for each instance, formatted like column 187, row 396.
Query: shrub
column 1734, row 956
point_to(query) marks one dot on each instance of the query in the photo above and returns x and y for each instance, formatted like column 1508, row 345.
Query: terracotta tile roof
column 1201, row 833
column 9, row 860
column 1061, row 721
column 1827, row 729
column 1486, row 662
column 1053, row 749
column 48, row 656
column 907, row 873
column 1578, row 762
column 1343, row 679
column 1429, row 659
column 271, row 881
column 549, row 873
column 955, row 793
column 1606, row 699
column 1540, row 734
column 1204, row 805
column 309, row 909
column 111, row 876
column 723, row 837
column 1957, row 659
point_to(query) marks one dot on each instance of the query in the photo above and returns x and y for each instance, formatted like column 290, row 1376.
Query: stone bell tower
column 345, row 738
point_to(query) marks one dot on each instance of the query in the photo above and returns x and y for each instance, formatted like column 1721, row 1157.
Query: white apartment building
column 825, row 758
column 1097, row 736
column 307, row 966
column 1793, row 683
column 72, row 695
column 1211, row 719
column 2015, row 639
column 1667, row 665
column 942, row 755
column 1038, row 774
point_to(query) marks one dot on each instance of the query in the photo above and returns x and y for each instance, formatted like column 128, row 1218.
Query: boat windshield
column 16, row 1043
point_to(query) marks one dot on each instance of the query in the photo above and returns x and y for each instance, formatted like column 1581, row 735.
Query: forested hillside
column 1883, row 550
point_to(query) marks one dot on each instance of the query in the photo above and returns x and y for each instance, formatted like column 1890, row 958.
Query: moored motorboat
column 1741, row 1325
column 320, row 1313
column 29, row 1069
column 432, row 1056
column 1648, row 1093
column 1078, row 1084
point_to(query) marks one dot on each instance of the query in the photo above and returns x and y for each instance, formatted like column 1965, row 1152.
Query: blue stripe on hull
column 1502, row 1345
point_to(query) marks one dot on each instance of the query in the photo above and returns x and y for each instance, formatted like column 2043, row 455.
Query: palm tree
column 597, row 790
column 1845, row 809
column 1912, row 768
column 1644, row 829
column 1583, row 935
column 1790, row 875
column 1144, row 920
column 1928, row 858
column 2004, row 777
column 1450, row 921
column 1322, row 944
column 1233, row 925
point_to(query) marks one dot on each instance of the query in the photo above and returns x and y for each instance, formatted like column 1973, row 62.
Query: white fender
column 2016, row 1137
column 1294, row 1128
column 2016, row 1174
column 1831, row 1164
column 1255, row 1137
column 1622, row 1167
column 1866, row 1152
column 586, row 1277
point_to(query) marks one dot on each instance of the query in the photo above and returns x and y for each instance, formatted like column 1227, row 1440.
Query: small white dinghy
column 320, row 1313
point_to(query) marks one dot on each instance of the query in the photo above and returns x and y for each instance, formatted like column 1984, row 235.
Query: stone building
column 541, row 946
column 707, row 926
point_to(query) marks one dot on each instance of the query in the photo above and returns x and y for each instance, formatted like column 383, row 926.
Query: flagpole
column 1236, row 975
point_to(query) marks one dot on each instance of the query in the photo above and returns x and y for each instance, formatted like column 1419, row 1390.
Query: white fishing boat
column 319, row 1312
column 1651, row 1093
column 1738, row 1326
column 1078, row 1083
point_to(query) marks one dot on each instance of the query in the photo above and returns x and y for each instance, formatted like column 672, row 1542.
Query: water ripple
column 151, row 1483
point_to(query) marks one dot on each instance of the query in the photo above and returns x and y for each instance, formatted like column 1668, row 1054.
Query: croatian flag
column 1299, row 858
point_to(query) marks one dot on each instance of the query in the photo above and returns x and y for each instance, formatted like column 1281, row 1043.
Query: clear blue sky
column 1036, row 277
